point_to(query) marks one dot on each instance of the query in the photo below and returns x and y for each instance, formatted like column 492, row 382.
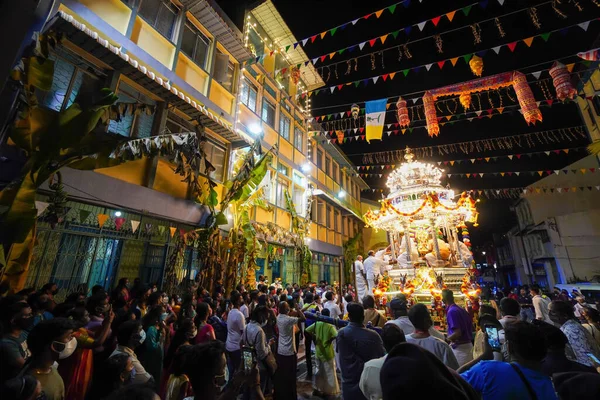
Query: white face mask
column 67, row 348
column 142, row 336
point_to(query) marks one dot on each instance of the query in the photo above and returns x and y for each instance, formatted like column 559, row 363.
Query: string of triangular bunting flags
column 503, row 174
column 513, row 193
column 452, row 60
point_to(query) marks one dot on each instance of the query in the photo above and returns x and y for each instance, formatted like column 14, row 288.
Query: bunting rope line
column 515, row 192
column 477, row 115
column 480, row 145
column 503, row 174
column 338, row 116
column 421, row 26
column 407, row 29
column 453, row 60
column 367, row 167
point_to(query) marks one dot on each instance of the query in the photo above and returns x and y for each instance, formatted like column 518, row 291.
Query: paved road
column 304, row 387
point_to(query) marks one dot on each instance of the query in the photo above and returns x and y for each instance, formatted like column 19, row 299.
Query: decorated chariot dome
column 417, row 199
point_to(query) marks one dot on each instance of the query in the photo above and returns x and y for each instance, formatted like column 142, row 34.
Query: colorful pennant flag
column 375, row 118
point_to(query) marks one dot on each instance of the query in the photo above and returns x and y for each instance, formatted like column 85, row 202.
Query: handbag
column 269, row 362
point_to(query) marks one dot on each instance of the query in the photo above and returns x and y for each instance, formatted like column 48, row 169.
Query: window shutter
column 221, row 65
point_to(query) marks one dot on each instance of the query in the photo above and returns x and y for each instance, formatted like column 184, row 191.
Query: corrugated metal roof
column 212, row 18
column 273, row 24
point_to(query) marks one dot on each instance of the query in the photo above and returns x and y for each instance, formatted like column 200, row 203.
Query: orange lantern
column 476, row 65
column 465, row 100
column 433, row 129
column 531, row 111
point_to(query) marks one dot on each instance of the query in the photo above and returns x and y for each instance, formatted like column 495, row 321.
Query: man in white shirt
column 236, row 323
column 399, row 310
column 373, row 266
column 369, row 379
column 414, row 254
column 421, row 320
column 334, row 309
column 361, row 278
column 540, row 304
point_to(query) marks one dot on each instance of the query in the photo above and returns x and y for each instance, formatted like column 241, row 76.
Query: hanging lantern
column 402, row 113
column 465, row 100
column 476, row 65
column 562, row 82
column 355, row 110
column 433, row 129
column 531, row 111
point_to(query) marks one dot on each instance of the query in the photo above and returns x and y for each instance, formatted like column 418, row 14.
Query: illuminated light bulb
column 118, row 214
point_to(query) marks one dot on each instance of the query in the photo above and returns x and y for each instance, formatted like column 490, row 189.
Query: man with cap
column 399, row 311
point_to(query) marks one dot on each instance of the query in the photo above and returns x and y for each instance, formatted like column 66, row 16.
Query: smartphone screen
column 247, row 359
column 593, row 357
column 493, row 337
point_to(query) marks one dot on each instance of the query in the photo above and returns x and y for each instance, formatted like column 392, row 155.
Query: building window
column 313, row 212
column 195, row 45
column 334, row 172
column 344, row 225
column 132, row 124
column 268, row 113
column 161, row 14
column 282, row 169
column 224, row 70
column 284, row 127
column 249, row 95
column 299, row 139
column 321, row 213
column 327, row 166
column 320, row 159
column 329, row 217
column 336, row 220
column 299, row 179
column 282, row 186
column 298, row 199
column 270, row 90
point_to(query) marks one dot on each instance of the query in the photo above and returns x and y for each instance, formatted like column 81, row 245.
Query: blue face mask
column 131, row 376
column 142, row 336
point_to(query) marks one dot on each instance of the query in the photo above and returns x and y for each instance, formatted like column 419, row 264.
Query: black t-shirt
column 11, row 349
column 557, row 363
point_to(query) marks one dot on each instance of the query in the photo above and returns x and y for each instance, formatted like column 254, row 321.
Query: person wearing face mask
column 254, row 336
column 77, row 370
column 117, row 371
column 129, row 337
column 15, row 319
column 151, row 351
column 184, row 336
column 50, row 342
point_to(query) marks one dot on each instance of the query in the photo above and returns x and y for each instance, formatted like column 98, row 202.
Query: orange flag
column 102, row 218
column 528, row 41
column 172, row 229
column 450, row 15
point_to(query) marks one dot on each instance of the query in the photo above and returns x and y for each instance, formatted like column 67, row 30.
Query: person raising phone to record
column 522, row 377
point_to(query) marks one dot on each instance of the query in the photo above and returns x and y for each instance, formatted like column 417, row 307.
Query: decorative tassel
column 465, row 100
column 531, row 112
column 476, row 65
column 433, row 128
column 562, row 82
column 402, row 113
column 355, row 110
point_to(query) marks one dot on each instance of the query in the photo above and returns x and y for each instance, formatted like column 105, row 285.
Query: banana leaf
column 594, row 148
column 20, row 253
column 40, row 72
column 26, row 132
column 243, row 188
column 19, row 218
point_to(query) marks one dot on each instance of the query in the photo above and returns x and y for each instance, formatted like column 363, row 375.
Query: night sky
column 309, row 17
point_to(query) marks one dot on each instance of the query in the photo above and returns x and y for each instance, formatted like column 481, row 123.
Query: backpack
column 220, row 328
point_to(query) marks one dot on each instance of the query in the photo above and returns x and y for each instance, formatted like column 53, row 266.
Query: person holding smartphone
column 522, row 377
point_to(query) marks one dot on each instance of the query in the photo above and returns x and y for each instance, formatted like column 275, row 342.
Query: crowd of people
column 138, row 342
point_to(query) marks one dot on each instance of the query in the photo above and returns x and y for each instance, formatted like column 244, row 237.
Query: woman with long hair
column 151, row 352
column 116, row 372
column 178, row 385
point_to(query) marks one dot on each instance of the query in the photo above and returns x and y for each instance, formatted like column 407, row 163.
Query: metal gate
column 78, row 254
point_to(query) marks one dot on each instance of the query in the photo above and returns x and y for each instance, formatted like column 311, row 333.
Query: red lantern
column 402, row 113
column 562, row 82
